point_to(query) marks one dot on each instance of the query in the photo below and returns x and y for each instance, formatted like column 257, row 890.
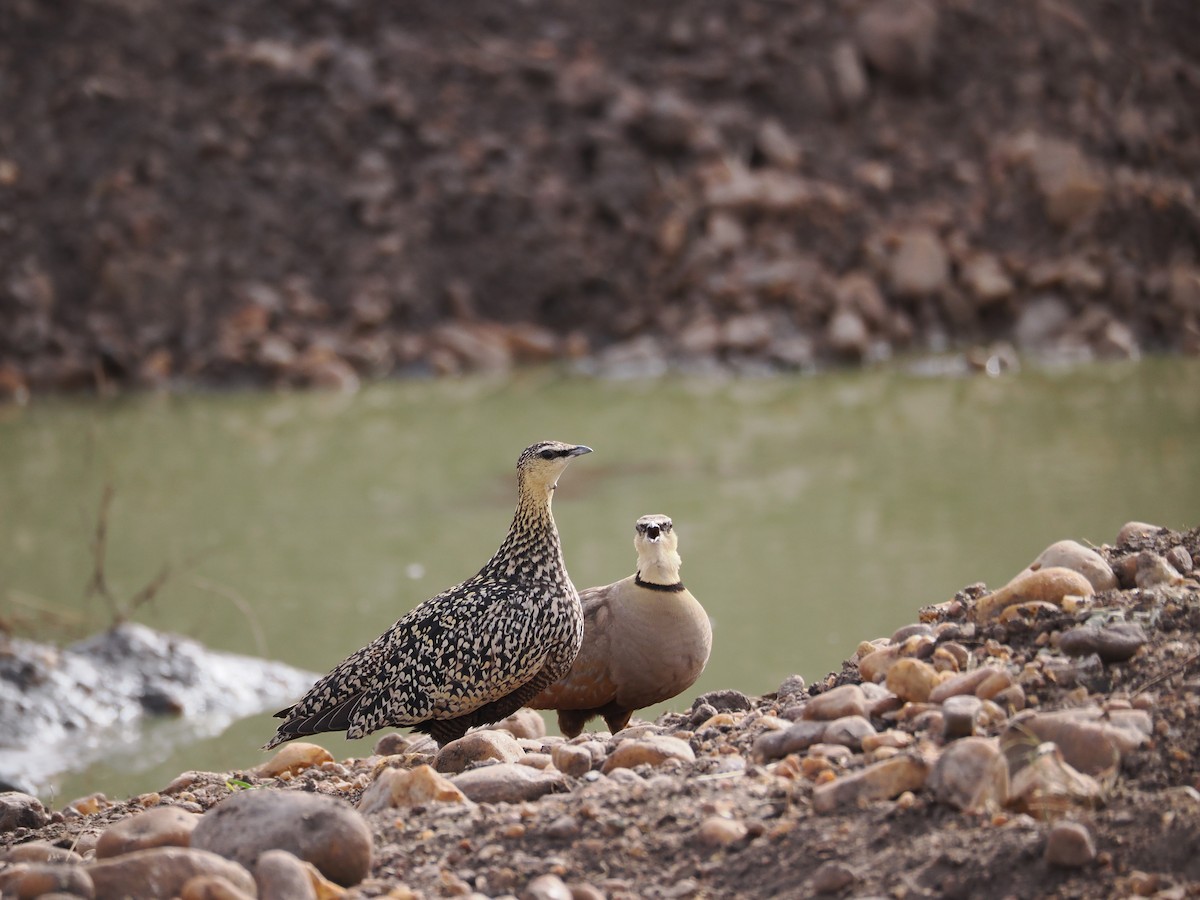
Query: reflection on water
column 812, row 512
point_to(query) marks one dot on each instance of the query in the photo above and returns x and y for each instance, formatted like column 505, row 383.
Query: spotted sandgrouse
column 477, row 651
column 646, row 639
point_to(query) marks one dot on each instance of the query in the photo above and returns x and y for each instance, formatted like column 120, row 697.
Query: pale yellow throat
column 658, row 561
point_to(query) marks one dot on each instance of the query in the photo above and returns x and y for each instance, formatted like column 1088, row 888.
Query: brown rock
column 779, row 147
column 845, row 700
column 919, row 266
column 832, row 877
column 475, row 346
column 25, row 881
column 879, row 781
column 912, row 680
column 1048, row 785
column 281, row 876
column 1133, row 531
column 1153, row 570
column 294, row 757
column 212, row 887
column 571, row 759
column 899, row 38
column 1073, row 555
column 166, row 826
column 403, row 788
column 1069, row 845
column 459, row 755
column 847, row 334
column 39, row 852
column 985, row 277
column 971, row 774
column 651, row 749
column 849, row 76
column 1049, row 585
column 1071, row 188
column 18, row 810
column 959, row 716
column 329, row 833
column 721, row 831
column 546, row 887
column 524, row 723
column 162, row 872
column 508, row 783
column 1090, row 739
column 998, row 679
column 1180, row 559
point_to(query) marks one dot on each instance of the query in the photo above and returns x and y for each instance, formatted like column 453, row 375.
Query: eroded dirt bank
column 310, row 193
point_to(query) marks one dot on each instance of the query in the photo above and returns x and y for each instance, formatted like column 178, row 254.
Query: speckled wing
column 449, row 656
column 589, row 684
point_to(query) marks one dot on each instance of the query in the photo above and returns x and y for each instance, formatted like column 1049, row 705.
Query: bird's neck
column 658, row 565
column 532, row 543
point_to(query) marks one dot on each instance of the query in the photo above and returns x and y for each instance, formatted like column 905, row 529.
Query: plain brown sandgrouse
column 646, row 639
column 477, row 651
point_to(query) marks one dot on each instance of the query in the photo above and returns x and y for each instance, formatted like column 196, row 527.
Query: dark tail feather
column 335, row 718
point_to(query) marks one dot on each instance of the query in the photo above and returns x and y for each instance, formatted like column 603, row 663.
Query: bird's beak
column 579, row 451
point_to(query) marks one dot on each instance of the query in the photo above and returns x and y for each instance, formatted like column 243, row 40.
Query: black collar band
column 651, row 586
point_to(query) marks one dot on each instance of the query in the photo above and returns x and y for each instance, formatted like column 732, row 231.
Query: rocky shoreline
column 1029, row 741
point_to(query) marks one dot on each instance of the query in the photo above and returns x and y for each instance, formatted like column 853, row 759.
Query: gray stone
column 959, row 715
column 508, row 783
column 724, row 701
column 1112, row 643
column 848, row 731
column 1040, row 322
column 832, row 877
column 326, row 832
column 796, row 739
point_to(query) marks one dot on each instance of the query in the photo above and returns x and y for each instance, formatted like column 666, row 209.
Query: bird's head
column 657, row 546
column 654, row 529
column 540, row 464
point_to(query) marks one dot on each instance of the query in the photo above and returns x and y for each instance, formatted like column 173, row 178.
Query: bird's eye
column 547, row 454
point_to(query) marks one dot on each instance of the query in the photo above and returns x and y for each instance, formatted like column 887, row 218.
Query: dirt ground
column 309, row 193
column 648, row 834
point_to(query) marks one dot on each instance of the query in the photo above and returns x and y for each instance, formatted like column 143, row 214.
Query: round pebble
column 719, row 831
column 1069, row 845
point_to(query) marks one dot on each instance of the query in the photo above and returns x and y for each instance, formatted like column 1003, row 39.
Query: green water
column 812, row 512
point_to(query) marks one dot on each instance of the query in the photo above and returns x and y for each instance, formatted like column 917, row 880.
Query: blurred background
column 875, row 298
